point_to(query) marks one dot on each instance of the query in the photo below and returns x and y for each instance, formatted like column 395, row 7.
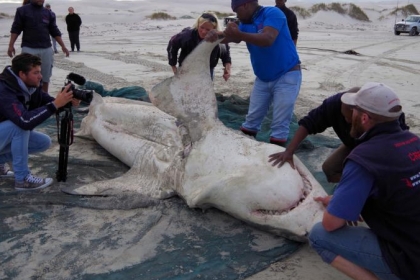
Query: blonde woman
column 189, row 38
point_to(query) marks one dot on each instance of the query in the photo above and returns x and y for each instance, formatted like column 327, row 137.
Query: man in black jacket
column 74, row 22
column 291, row 19
column 331, row 113
column 381, row 185
column 23, row 106
column 37, row 24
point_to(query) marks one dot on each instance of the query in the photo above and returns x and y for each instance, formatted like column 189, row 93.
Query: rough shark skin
column 177, row 146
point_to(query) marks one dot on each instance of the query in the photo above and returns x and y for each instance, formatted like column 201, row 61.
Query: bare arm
column 11, row 50
column 61, row 43
column 331, row 222
column 287, row 156
column 264, row 39
column 226, row 71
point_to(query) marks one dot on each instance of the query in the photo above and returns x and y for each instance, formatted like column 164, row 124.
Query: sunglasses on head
column 357, row 108
column 209, row 17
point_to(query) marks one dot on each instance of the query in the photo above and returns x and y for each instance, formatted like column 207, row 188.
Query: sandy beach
column 121, row 46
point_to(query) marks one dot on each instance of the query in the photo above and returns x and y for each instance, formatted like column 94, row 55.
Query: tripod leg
column 64, row 141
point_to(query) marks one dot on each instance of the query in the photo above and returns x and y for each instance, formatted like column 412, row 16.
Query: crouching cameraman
column 23, row 106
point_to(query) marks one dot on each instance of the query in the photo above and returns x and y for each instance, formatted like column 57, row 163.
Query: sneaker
column 5, row 172
column 33, row 183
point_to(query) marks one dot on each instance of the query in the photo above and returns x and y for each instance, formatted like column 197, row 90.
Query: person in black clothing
column 73, row 22
column 331, row 113
column 54, row 42
column 189, row 38
column 291, row 19
column 36, row 24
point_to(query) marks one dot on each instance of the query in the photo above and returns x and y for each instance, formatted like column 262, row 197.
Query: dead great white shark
column 177, row 146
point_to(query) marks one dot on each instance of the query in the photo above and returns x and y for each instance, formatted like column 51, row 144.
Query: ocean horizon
column 263, row 2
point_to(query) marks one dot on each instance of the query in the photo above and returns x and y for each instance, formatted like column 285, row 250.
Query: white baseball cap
column 376, row 98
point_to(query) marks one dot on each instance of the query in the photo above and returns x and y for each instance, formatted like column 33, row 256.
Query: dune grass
column 301, row 12
column 4, row 15
column 405, row 10
column 357, row 13
column 160, row 16
column 351, row 10
column 221, row 15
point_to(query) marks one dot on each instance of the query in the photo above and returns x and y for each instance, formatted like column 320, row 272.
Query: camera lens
column 84, row 95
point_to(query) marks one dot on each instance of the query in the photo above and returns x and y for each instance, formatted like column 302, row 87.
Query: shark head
column 189, row 95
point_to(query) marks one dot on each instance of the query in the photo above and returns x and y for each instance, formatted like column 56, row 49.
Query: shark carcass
column 178, row 146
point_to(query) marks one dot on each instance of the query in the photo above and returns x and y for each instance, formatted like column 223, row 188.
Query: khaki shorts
column 47, row 60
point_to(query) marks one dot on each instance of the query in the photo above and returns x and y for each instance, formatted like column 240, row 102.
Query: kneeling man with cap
column 380, row 184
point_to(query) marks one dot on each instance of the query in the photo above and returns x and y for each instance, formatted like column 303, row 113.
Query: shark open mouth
column 307, row 188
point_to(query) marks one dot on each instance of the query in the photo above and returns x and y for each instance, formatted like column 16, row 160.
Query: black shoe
column 248, row 132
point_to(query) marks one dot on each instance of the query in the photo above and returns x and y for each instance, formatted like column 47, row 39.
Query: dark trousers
column 74, row 39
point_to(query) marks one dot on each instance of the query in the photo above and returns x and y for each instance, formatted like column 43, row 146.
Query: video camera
column 81, row 94
column 65, row 132
column 228, row 19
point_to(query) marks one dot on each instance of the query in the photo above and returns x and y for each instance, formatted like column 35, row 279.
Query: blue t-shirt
column 270, row 63
column 355, row 186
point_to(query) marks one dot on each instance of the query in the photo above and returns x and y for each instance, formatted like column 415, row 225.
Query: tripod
column 65, row 139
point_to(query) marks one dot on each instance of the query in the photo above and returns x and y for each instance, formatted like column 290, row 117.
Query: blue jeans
column 282, row 93
column 358, row 245
column 54, row 43
column 16, row 144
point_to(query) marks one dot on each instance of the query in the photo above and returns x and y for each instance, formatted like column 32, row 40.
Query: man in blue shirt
column 380, row 184
column 275, row 63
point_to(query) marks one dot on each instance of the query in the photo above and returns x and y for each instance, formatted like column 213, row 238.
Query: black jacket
column 328, row 114
column 291, row 21
column 73, row 22
column 37, row 24
column 392, row 210
column 14, row 107
column 187, row 40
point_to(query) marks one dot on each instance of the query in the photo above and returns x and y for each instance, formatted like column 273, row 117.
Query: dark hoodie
column 37, row 24
column 16, row 104
column 187, row 40
column 73, row 22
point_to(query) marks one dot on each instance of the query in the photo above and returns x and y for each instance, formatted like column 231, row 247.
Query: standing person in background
column 54, row 42
column 275, row 63
column 291, row 19
column 73, row 22
column 189, row 38
column 37, row 25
